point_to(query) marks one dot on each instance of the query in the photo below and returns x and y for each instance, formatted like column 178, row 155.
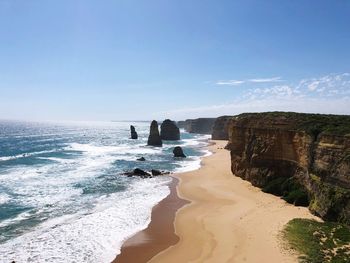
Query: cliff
column 200, row 125
column 305, row 158
column 220, row 128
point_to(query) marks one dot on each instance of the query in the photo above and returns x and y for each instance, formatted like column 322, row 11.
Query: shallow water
column 62, row 195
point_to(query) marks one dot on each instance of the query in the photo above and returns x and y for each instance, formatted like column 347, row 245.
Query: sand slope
column 228, row 220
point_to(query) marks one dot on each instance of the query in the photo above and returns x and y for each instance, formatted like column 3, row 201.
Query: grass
column 318, row 242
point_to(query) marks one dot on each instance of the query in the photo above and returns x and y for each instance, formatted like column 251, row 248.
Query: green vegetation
column 313, row 124
column 318, row 242
column 290, row 190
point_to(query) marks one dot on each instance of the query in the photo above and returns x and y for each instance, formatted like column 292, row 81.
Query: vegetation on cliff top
column 318, row 242
column 311, row 123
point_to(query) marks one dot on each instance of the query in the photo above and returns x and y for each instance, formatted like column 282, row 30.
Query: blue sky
column 127, row 59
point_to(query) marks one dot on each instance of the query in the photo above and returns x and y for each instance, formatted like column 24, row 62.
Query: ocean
column 63, row 197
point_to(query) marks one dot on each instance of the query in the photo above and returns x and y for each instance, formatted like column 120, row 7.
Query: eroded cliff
column 220, row 128
column 200, row 125
column 305, row 158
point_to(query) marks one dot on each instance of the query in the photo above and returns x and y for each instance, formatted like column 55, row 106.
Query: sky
column 155, row 59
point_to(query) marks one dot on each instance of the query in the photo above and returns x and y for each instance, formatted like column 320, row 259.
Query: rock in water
column 156, row 172
column 141, row 159
column 138, row 172
column 133, row 132
column 169, row 131
column 154, row 137
column 178, row 152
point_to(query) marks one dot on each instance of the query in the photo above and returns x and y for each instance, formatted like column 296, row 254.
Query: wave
column 4, row 198
column 87, row 237
column 25, row 155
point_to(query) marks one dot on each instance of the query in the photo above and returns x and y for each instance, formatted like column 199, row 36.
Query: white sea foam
column 4, row 198
column 24, row 155
column 90, row 237
column 192, row 163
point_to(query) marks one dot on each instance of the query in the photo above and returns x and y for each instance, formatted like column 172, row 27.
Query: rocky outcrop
column 133, row 132
column 181, row 124
column 169, row 131
column 305, row 158
column 220, row 128
column 154, row 137
column 201, row 125
column 178, row 152
column 138, row 172
column 143, row 174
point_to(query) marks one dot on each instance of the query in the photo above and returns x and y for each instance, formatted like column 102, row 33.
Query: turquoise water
column 62, row 195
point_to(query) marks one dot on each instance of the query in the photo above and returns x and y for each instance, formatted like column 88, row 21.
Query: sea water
column 63, row 197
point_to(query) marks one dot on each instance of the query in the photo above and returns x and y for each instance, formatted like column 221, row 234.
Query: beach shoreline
column 158, row 235
column 221, row 218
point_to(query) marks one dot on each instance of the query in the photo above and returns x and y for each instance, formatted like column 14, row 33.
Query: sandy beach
column 226, row 220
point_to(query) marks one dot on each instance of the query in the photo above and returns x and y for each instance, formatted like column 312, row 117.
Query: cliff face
column 302, row 157
column 200, row 125
column 220, row 128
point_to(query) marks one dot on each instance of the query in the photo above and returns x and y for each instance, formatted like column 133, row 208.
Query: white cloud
column 327, row 85
column 266, row 80
column 239, row 82
column 230, row 82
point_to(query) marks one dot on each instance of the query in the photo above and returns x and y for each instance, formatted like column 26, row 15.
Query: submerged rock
column 178, row 152
column 138, row 172
column 156, row 172
column 133, row 132
column 154, row 137
column 143, row 174
column 169, row 131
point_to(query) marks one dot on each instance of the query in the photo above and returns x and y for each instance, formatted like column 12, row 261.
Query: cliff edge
column 305, row 158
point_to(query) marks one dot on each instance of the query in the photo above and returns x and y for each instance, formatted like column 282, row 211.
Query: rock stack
column 178, row 152
column 154, row 137
column 169, row 131
column 133, row 132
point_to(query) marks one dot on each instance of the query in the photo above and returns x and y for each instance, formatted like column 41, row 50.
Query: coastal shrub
column 290, row 190
column 297, row 197
column 294, row 193
column 318, row 242
column 275, row 186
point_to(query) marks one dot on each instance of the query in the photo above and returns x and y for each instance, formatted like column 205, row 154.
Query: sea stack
column 133, row 132
column 169, row 131
column 178, row 152
column 154, row 137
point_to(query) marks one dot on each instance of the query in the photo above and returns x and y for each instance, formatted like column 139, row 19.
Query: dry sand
column 226, row 220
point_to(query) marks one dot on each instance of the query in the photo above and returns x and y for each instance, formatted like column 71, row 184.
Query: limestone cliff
column 305, row 158
column 200, row 125
column 220, row 128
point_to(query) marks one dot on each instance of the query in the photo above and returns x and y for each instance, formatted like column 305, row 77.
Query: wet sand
column 160, row 233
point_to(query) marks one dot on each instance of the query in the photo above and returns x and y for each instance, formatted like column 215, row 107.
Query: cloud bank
column 328, row 94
